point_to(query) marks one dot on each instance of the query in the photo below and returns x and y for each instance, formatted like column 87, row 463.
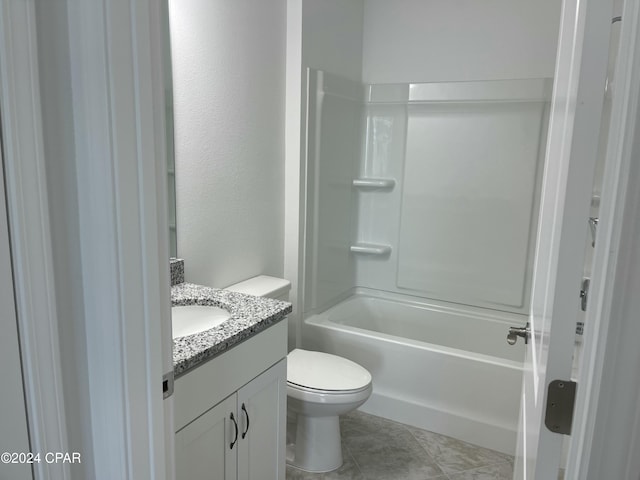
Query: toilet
column 320, row 388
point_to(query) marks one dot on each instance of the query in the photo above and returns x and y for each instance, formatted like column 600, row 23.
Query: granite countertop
column 249, row 315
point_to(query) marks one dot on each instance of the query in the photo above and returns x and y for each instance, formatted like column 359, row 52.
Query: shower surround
column 420, row 226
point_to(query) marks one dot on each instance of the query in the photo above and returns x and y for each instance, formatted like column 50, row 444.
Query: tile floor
column 378, row 449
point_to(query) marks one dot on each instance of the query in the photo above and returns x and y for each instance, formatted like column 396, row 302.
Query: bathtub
column 444, row 368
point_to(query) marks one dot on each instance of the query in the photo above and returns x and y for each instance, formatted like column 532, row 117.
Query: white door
column 563, row 227
column 14, row 437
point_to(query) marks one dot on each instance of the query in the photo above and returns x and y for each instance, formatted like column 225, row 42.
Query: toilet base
column 317, row 446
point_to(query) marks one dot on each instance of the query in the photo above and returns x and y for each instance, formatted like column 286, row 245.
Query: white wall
column 332, row 36
column 229, row 84
column 444, row 40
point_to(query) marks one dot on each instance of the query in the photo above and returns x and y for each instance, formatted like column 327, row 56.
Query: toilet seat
column 328, row 397
column 326, row 392
column 319, row 372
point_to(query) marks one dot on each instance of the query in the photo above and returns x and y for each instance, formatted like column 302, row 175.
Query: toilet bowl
column 320, row 388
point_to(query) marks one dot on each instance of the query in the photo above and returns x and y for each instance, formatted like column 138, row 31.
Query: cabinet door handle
column 235, row 425
column 244, row 409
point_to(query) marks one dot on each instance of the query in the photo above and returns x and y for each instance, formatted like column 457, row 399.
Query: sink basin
column 191, row 319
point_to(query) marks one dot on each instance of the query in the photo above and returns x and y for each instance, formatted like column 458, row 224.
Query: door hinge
column 561, row 396
column 167, row 385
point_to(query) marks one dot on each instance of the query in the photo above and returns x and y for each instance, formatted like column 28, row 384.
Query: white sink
column 191, row 319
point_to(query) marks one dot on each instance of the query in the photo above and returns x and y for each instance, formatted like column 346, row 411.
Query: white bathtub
column 442, row 368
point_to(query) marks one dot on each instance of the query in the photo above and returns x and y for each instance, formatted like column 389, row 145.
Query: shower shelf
column 374, row 183
column 371, row 249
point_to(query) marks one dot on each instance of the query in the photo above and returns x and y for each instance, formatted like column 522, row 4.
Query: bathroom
column 322, row 179
column 359, row 154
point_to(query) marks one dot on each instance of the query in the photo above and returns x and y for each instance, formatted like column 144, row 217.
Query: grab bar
column 370, row 249
column 374, row 183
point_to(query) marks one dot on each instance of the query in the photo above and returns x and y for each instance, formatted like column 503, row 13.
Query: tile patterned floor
column 378, row 449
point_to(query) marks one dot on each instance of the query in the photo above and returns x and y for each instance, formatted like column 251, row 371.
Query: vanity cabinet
column 241, row 437
column 231, row 413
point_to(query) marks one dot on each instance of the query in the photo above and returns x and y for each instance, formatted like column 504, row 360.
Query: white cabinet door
column 262, row 407
column 204, row 448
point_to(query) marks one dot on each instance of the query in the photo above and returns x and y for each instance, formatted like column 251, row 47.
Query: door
column 14, row 437
column 262, row 411
column 563, row 227
column 207, row 447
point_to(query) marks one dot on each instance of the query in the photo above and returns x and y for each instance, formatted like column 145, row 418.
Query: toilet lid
column 323, row 371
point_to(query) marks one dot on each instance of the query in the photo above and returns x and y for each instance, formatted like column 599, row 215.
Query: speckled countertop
column 249, row 315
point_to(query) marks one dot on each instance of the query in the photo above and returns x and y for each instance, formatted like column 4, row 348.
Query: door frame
column 612, row 266
column 30, row 236
column 120, row 149
column 14, row 433
column 118, row 123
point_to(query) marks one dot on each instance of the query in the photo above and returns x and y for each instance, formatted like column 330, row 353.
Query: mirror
column 171, row 164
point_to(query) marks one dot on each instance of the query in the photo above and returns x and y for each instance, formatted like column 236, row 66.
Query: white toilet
column 320, row 388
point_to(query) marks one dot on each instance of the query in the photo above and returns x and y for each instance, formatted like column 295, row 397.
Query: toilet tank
column 264, row 286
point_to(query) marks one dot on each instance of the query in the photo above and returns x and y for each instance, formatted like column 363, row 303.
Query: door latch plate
column 167, row 385
column 561, row 396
